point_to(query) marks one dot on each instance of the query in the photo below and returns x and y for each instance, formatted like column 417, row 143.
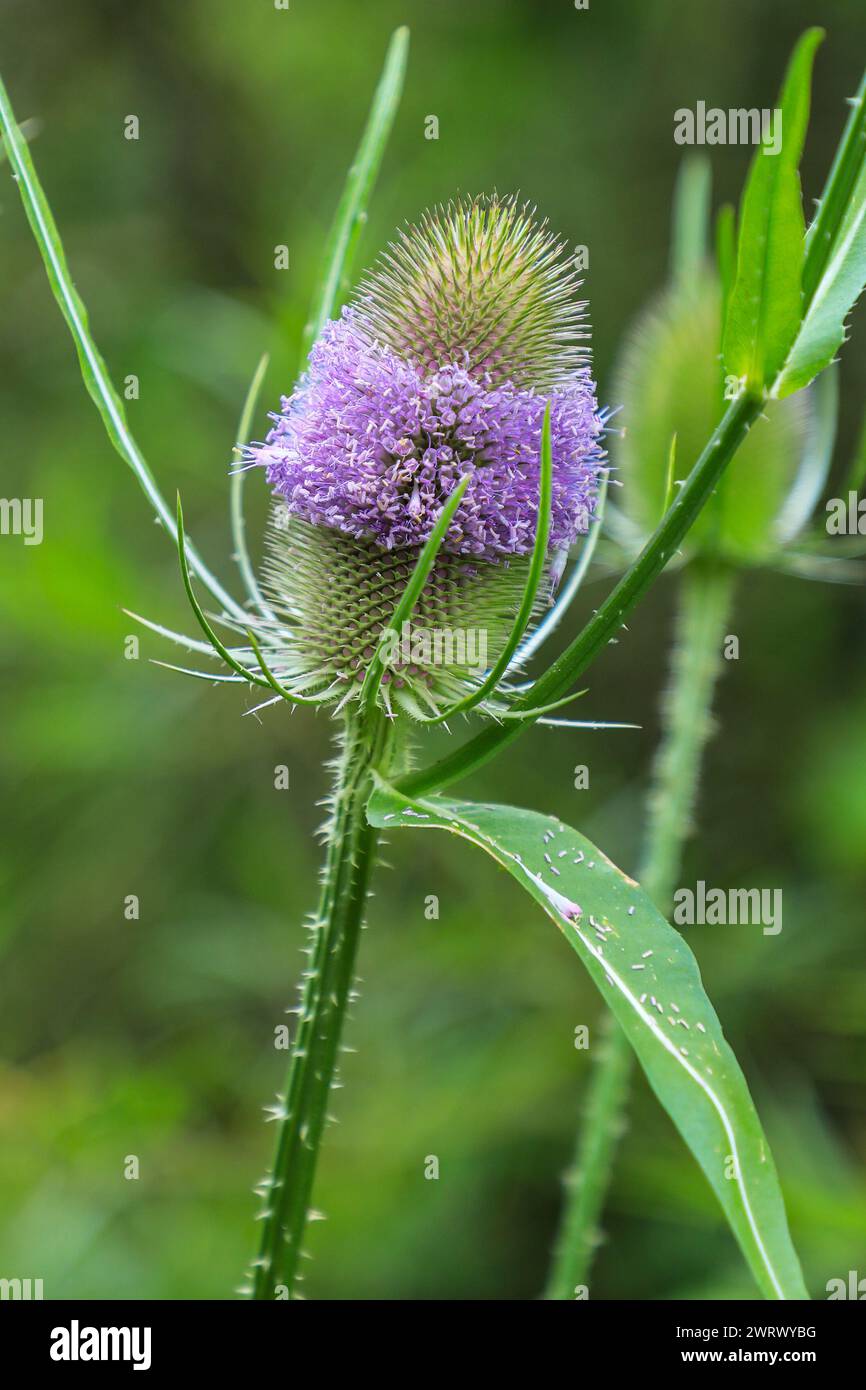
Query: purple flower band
column 371, row 445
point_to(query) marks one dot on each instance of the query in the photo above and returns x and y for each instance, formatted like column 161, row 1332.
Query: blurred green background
column 155, row 1037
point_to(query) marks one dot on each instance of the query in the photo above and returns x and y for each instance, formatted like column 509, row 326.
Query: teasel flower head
column 442, row 366
column 669, row 386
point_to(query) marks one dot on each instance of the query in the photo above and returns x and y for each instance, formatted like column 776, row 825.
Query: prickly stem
column 302, row 1111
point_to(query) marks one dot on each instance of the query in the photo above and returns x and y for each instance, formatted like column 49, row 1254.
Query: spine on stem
column 301, row 1111
column 704, row 605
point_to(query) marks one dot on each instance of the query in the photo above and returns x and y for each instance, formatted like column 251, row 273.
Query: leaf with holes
column 650, row 980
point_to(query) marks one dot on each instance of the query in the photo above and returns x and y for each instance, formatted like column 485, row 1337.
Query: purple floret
column 371, row 445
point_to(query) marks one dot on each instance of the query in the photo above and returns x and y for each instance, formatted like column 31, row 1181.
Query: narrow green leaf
column 841, row 181
column 27, row 130
column 192, row 644
column 216, row 676
column 834, row 270
column 266, row 680
column 548, row 709
column 822, row 331
column 219, row 647
column 670, row 476
column 411, row 593
column 649, row 978
column 280, row 689
column 352, row 209
column 765, row 306
column 93, row 369
column 691, row 217
column 236, row 490
column 571, row 587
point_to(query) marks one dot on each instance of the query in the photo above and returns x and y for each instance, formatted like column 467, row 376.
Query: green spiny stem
column 705, row 601
column 325, row 995
column 586, row 1183
column 687, row 722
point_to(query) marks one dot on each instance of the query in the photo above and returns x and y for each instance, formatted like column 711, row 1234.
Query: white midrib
column 496, row 851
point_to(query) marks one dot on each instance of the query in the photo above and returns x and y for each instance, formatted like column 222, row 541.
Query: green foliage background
column 155, row 1038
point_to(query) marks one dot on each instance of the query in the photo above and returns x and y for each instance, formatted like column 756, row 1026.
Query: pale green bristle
column 480, row 283
column 334, row 595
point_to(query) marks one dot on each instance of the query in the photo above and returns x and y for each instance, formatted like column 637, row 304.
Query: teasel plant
column 441, row 464
column 671, row 382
